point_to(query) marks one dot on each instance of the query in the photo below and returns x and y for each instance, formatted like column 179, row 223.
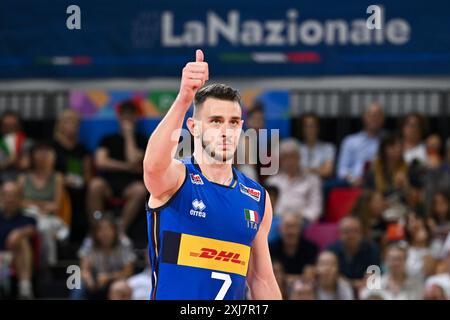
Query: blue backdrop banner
column 137, row 38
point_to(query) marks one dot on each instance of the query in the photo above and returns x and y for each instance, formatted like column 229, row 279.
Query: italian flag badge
column 251, row 215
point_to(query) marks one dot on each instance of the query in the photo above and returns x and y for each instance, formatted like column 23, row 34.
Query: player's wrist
column 182, row 102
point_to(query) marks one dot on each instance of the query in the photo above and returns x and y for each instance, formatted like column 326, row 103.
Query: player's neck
column 213, row 170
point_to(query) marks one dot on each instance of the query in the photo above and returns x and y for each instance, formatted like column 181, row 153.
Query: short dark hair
column 10, row 113
column 312, row 115
column 218, row 91
column 127, row 106
column 423, row 123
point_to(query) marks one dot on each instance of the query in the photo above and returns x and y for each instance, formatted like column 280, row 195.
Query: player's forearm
column 265, row 290
column 162, row 144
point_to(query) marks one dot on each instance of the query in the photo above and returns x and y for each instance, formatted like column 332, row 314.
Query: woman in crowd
column 329, row 284
column 439, row 219
column 42, row 189
column 316, row 156
column 106, row 261
column 396, row 283
column 370, row 208
column 413, row 130
column 389, row 172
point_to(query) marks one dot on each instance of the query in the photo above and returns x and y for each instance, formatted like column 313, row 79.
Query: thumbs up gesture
column 193, row 77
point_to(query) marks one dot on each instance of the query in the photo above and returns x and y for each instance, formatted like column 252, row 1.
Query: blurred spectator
column 359, row 149
column 293, row 250
column 280, row 276
column 14, row 147
column 434, row 292
column 370, row 209
column 120, row 290
column 442, row 279
column 419, row 239
column 413, row 130
column 106, row 261
column 330, row 285
column 397, row 283
column 257, row 152
column 316, row 156
column 42, row 191
column 16, row 232
column 119, row 161
column 299, row 191
column 434, row 146
column 389, row 172
column 354, row 252
column 437, row 178
column 301, row 290
column 439, row 218
column 141, row 283
column 74, row 162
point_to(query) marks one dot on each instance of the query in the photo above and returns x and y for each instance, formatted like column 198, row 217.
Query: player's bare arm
column 261, row 279
column 163, row 175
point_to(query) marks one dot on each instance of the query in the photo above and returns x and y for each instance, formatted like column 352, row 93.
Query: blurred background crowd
column 367, row 217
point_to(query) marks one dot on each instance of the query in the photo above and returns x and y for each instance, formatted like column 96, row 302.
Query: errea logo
column 198, row 207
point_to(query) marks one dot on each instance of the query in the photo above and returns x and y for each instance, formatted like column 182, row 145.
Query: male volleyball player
column 208, row 223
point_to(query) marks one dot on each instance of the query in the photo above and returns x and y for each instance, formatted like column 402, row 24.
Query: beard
column 222, row 157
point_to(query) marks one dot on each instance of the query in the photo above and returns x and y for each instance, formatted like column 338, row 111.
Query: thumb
column 199, row 56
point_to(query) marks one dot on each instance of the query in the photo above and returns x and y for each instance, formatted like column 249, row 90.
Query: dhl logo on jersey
column 208, row 253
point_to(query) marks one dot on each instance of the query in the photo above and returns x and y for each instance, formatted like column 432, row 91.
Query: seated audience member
column 434, row 292
column 441, row 279
column 413, row 129
column 106, row 261
column 316, row 156
column 42, row 189
column 359, row 149
column 280, row 276
column 255, row 148
column 329, row 284
column 354, row 252
column 370, row 209
column 299, row 191
column 301, row 290
column 397, row 283
column 74, row 162
column 434, row 147
column 14, row 147
column 141, row 283
column 16, row 231
column 292, row 249
column 389, row 172
column 119, row 161
column 419, row 245
column 437, row 178
column 439, row 218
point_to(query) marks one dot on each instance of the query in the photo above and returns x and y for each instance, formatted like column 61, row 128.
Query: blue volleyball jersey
column 200, row 240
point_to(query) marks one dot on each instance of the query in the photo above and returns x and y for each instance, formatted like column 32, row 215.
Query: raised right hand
column 194, row 76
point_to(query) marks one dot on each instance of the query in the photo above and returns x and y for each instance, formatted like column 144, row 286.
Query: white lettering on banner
column 289, row 32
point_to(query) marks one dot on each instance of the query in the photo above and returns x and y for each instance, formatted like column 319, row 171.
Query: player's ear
column 193, row 126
